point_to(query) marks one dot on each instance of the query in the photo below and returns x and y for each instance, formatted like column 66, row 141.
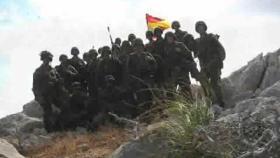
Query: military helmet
column 199, row 23
column 75, row 51
column 131, row 37
column 175, row 24
column 63, row 56
column 85, row 55
column 118, row 41
column 46, row 55
column 93, row 52
column 106, row 50
column 138, row 42
column 149, row 33
column 158, row 31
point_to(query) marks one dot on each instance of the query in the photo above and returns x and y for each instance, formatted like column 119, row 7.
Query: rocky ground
column 250, row 123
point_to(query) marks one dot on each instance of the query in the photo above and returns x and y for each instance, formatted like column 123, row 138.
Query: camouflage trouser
column 213, row 77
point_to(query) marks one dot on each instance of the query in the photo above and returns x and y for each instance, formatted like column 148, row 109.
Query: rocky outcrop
column 24, row 129
column 8, row 151
column 33, row 109
column 249, row 81
column 257, row 127
column 149, row 145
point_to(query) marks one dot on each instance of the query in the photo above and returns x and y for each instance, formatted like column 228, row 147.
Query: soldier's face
column 201, row 29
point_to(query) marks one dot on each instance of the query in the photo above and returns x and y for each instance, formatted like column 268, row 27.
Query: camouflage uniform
column 141, row 68
column 45, row 83
column 108, row 66
column 180, row 63
column 211, row 54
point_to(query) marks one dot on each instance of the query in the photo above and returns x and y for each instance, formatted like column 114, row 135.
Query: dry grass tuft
column 73, row 145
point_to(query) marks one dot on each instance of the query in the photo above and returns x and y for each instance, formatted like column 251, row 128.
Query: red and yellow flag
column 154, row 22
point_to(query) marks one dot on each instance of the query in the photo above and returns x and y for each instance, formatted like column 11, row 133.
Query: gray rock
column 274, row 90
column 8, row 151
column 146, row 147
column 19, row 123
column 258, row 123
column 244, row 82
column 272, row 73
column 33, row 109
column 149, row 145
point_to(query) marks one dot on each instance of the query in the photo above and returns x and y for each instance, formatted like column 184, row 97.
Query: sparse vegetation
column 81, row 145
column 187, row 130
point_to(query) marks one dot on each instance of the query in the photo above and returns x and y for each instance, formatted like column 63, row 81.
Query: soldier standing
column 211, row 55
column 45, row 81
column 141, row 68
column 180, row 63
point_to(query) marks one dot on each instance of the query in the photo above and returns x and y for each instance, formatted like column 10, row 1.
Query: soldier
column 45, row 81
column 112, row 98
column 149, row 46
column 79, row 65
column 159, row 42
column 131, row 38
column 180, row 63
column 141, row 68
column 67, row 72
column 75, row 114
column 118, row 41
column 75, row 61
column 178, row 32
column 108, row 65
column 211, row 55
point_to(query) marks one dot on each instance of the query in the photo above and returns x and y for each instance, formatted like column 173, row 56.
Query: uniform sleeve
column 187, row 52
column 221, row 50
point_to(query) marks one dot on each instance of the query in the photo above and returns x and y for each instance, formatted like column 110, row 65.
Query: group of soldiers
column 121, row 79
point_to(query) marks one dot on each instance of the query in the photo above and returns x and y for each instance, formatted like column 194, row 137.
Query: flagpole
column 147, row 21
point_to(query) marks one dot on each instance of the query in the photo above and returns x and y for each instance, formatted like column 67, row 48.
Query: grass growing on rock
column 188, row 132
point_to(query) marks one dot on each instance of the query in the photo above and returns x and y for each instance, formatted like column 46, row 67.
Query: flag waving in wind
column 154, row 22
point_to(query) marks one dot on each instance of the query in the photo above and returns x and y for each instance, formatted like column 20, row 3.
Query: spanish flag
column 154, row 22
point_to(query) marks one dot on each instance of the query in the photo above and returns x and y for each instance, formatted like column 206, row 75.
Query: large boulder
column 274, row 91
column 272, row 73
column 33, row 109
column 249, row 81
column 149, row 145
column 244, row 82
column 8, row 151
column 256, row 125
column 19, row 123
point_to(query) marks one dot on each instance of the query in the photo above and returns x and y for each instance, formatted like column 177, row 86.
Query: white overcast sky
column 246, row 27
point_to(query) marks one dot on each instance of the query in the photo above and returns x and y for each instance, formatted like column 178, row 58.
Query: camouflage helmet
column 175, row 24
column 75, row 51
column 118, row 41
column 138, row 42
column 85, row 55
column 93, row 52
column 131, row 37
column 158, row 31
column 63, row 56
column 46, row 55
column 106, row 50
column 200, row 23
column 149, row 33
